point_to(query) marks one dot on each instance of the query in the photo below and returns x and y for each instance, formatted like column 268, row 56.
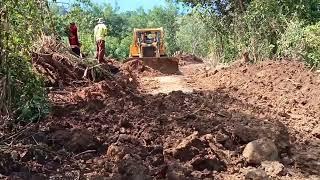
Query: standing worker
column 73, row 38
column 100, row 33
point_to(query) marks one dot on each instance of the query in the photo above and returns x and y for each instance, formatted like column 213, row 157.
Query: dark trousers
column 76, row 50
column 101, row 50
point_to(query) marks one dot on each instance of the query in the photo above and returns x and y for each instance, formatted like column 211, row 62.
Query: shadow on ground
column 140, row 136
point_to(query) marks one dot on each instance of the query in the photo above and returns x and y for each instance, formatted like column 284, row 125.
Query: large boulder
column 260, row 150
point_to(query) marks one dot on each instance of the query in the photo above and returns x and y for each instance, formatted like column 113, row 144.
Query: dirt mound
column 110, row 130
column 139, row 69
column 185, row 59
column 143, row 136
column 285, row 86
column 286, row 89
column 151, row 66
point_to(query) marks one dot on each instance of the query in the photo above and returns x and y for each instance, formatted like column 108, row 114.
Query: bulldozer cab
column 149, row 37
column 147, row 43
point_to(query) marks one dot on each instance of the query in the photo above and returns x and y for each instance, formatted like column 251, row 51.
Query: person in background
column 100, row 34
column 73, row 38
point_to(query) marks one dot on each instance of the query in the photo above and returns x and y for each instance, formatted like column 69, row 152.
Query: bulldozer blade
column 165, row 65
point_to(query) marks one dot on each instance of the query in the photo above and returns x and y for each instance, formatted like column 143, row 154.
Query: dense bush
column 263, row 28
column 28, row 97
column 22, row 92
column 193, row 35
column 301, row 42
column 291, row 43
column 312, row 44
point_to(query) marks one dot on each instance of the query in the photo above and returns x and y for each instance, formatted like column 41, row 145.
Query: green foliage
column 166, row 18
column 291, row 42
column 23, row 22
column 259, row 27
column 120, row 25
column 111, row 45
column 29, row 98
column 312, row 44
column 301, row 42
column 123, row 48
column 192, row 35
column 263, row 25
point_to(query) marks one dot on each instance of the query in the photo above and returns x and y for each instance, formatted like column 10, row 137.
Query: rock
column 273, row 168
column 72, row 175
column 260, row 150
column 201, row 174
column 208, row 137
column 14, row 155
column 256, row 174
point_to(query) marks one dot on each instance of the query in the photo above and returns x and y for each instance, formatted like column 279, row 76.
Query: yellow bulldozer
column 148, row 46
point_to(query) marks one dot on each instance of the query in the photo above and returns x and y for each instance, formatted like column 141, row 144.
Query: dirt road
column 169, row 83
column 166, row 84
column 110, row 130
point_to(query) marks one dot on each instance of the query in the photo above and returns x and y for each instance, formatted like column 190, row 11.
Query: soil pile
column 286, row 86
column 108, row 130
column 286, row 89
column 137, row 68
column 186, row 59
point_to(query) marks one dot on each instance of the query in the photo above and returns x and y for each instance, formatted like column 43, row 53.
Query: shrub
column 28, row 98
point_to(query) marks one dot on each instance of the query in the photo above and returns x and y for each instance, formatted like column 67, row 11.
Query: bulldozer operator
column 148, row 38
